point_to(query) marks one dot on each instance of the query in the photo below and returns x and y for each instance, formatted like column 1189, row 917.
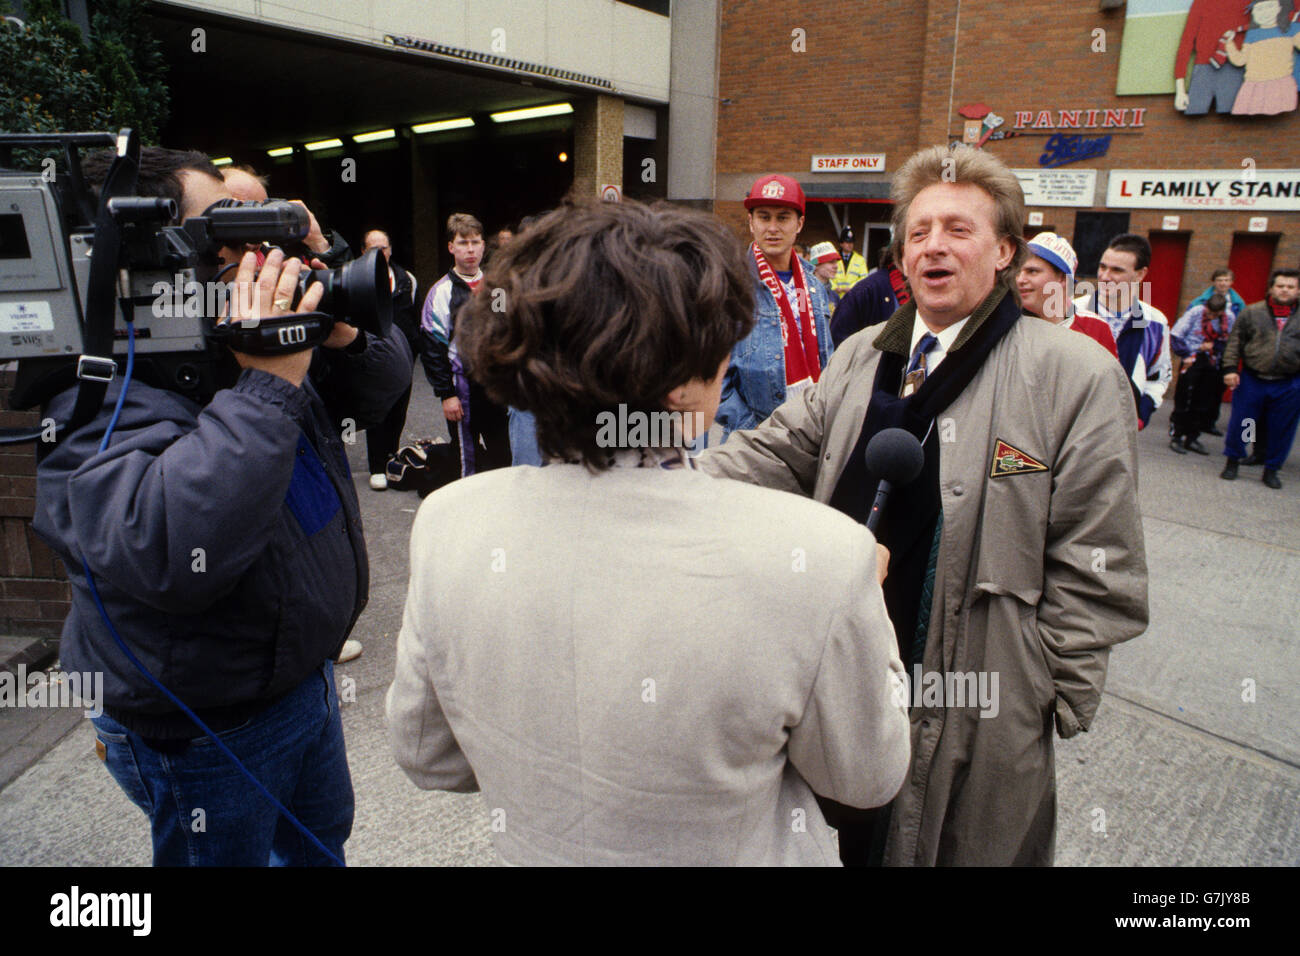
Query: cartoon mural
column 1267, row 51
column 1214, row 81
column 1223, row 56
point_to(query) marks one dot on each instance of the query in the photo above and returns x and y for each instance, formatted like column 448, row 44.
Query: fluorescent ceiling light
column 375, row 136
column 324, row 144
column 223, row 161
column 280, row 151
column 532, row 112
column 437, row 126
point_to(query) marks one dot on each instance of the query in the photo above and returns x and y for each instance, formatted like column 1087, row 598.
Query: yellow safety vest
column 845, row 280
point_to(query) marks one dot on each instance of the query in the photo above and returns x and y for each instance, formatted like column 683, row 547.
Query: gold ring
column 283, row 304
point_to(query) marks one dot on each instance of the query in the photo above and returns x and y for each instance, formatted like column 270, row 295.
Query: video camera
column 69, row 265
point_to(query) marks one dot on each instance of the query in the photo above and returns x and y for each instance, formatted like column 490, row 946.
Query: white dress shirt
column 946, row 338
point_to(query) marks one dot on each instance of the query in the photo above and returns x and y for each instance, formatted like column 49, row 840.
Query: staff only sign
column 849, row 163
column 1248, row 188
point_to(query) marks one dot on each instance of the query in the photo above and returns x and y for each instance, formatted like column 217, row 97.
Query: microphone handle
column 878, row 506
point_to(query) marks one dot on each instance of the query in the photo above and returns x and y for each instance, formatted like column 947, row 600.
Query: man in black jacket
column 225, row 544
column 1266, row 339
column 382, row 440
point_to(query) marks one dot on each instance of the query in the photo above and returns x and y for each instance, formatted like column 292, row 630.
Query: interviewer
column 637, row 663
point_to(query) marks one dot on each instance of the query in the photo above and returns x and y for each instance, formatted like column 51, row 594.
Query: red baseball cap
column 775, row 190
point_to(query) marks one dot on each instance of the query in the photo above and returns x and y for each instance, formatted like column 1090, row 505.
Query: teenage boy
column 791, row 341
column 1141, row 330
column 478, row 426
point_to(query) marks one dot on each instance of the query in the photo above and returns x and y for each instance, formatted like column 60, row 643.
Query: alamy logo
column 949, row 689
column 53, row 689
column 75, row 908
column 633, row 428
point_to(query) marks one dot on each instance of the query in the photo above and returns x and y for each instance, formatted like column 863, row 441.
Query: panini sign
column 1250, row 188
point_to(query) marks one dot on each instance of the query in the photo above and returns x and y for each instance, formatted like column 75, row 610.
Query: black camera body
column 167, row 278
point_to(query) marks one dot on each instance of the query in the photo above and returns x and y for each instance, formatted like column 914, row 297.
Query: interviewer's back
column 623, row 659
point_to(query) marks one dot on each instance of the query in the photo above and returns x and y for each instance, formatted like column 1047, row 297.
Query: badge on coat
column 1010, row 460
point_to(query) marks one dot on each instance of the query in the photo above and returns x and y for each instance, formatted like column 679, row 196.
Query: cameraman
column 225, row 541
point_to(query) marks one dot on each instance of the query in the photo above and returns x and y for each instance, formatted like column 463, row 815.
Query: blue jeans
column 523, row 438
column 204, row 812
column 1275, row 405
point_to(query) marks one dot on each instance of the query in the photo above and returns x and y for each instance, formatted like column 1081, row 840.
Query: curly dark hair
column 598, row 305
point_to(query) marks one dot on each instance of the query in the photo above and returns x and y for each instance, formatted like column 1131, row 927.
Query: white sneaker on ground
column 378, row 482
column 351, row 650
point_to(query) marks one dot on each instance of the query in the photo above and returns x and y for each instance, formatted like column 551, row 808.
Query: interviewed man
column 1018, row 552
column 225, row 541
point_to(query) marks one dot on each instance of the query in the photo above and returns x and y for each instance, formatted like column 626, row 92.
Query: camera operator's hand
column 315, row 240
column 270, row 295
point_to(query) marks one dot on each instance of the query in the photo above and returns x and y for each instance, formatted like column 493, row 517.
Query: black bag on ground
column 423, row 467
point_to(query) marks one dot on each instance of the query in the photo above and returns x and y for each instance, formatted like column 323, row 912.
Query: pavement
column 1194, row 758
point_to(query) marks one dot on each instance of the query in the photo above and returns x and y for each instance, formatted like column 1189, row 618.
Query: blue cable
column 94, row 593
column 126, row 381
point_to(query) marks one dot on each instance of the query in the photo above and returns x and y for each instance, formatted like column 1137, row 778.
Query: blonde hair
column 463, row 224
column 939, row 164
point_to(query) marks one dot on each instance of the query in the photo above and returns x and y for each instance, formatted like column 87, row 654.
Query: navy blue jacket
column 225, row 540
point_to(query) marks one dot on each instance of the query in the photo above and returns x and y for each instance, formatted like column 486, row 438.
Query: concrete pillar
column 426, row 225
column 693, row 104
column 597, row 145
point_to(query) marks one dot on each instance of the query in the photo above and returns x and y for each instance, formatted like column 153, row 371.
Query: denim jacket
column 755, row 383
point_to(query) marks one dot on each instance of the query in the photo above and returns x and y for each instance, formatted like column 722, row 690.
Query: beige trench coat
column 1038, row 574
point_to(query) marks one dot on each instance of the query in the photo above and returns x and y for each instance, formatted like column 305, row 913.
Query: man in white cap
column 825, row 262
column 1045, row 283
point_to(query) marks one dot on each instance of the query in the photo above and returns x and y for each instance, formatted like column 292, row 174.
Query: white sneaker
column 378, row 482
column 351, row 650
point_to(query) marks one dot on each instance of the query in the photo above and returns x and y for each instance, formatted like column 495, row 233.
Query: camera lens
column 357, row 293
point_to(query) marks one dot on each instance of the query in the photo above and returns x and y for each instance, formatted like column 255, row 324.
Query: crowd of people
column 656, row 651
column 1199, row 352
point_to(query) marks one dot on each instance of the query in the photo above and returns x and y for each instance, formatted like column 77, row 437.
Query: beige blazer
column 646, row 666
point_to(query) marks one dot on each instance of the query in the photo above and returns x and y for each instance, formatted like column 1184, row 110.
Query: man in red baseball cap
column 791, row 341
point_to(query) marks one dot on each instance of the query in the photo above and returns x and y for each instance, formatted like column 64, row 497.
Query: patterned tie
column 916, row 371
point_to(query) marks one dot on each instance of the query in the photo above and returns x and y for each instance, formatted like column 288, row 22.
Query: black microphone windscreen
column 894, row 455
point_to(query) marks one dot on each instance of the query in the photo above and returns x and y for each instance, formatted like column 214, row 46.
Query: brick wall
column 597, row 145
column 34, row 592
column 882, row 77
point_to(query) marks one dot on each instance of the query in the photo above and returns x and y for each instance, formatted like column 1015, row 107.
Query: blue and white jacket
column 1142, row 340
column 755, row 383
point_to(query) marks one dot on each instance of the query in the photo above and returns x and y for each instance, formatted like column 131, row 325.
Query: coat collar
column 896, row 336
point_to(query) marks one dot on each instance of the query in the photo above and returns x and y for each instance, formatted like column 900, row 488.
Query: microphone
column 894, row 457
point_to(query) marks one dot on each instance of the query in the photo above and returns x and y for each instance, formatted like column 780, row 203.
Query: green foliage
column 51, row 80
column 129, row 66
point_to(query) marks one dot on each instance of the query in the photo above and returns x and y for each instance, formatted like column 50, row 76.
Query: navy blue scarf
column 908, row 525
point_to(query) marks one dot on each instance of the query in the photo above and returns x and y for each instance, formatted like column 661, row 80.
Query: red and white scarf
column 802, row 359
